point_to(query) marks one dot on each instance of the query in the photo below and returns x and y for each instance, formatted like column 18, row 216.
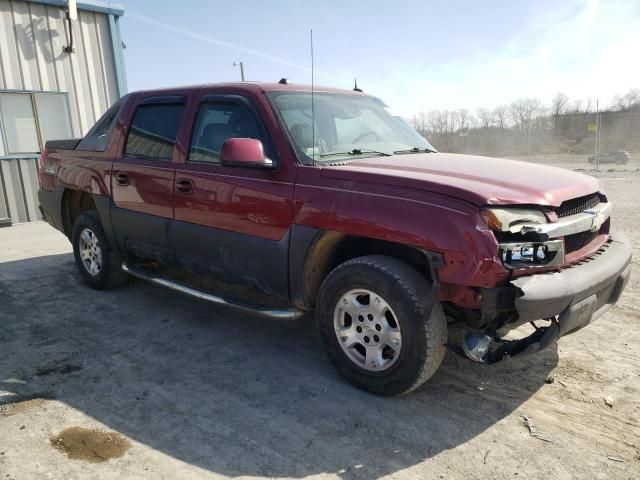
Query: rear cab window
column 154, row 128
column 99, row 136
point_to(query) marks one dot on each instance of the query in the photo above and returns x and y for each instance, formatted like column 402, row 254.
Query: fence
column 564, row 135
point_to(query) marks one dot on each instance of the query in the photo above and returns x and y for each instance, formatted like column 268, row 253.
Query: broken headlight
column 520, row 249
column 501, row 219
column 532, row 254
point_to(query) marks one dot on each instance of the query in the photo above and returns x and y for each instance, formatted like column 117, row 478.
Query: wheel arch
column 75, row 202
column 325, row 250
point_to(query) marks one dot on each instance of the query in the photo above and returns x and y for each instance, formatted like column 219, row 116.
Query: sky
column 415, row 55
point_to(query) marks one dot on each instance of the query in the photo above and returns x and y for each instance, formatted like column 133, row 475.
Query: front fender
column 425, row 220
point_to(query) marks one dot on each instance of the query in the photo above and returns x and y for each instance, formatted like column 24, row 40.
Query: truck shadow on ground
column 228, row 392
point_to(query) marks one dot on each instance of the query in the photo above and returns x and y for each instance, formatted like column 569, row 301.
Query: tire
column 406, row 294
column 91, row 248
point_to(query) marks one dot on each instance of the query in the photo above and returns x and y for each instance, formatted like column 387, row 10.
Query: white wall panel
column 110, row 78
column 92, row 60
column 43, row 51
column 32, row 38
column 13, row 186
column 9, row 49
column 29, row 179
column 64, row 72
column 26, row 47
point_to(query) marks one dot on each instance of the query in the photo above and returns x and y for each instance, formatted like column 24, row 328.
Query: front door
column 232, row 222
column 143, row 179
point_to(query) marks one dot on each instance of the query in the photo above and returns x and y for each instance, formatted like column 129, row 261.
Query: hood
column 476, row 179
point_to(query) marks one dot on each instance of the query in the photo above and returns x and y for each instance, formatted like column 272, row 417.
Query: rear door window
column 154, row 129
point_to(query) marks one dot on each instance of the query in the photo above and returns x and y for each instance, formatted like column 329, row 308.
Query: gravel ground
column 142, row 382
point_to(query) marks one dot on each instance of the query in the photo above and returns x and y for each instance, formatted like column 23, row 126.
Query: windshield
column 346, row 126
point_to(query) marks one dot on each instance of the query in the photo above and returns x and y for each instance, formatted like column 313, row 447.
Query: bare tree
column 485, row 117
column 500, row 116
column 628, row 100
column 437, row 122
column 461, row 119
column 524, row 110
column 559, row 104
column 439, row 125
column 422, row 123
column 516, row 112
column 525, row 125
column 576, row 106
column 473, row 123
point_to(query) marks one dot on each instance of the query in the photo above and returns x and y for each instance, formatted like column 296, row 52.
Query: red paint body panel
column 246, row 152
column 150, row 187
column 84, row 171
column 429, row 201
column 386, row 212
column 252, row 202
column 244, row 200
column 478, row 180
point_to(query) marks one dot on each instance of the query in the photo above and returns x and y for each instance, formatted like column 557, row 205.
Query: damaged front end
column 555, row 303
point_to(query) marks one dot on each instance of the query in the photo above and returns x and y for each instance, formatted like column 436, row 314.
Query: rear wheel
column 378, row 325
column 98, row 264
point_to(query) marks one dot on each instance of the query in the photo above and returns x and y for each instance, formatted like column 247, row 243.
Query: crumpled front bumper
column 579, row 293
column 572, row 298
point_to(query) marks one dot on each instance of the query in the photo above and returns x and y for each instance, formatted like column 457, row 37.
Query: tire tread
column 415, row 287
column 112, row 275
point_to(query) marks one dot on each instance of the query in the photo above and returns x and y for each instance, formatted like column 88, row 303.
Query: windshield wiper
column 355, row 151
column 415, row 150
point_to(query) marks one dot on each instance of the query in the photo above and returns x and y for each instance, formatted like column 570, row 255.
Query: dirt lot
column 142, row 382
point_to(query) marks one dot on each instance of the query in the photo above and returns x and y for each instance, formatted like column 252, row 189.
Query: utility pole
column 597, row 162
column 529, row 137
column 468, row 133
column 241, row 65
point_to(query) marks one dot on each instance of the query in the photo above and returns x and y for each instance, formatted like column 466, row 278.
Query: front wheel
column 379, row 325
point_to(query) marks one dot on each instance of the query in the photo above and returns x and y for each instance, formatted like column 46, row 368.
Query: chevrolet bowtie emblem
column 597, row 220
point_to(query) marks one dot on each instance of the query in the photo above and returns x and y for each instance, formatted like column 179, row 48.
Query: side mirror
column 244, row 152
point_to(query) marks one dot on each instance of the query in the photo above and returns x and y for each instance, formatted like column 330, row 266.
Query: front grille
column 577, row 205
column 578, row 240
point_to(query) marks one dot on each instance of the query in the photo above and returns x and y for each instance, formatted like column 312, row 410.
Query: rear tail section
column 42, row 167
column 48, row 165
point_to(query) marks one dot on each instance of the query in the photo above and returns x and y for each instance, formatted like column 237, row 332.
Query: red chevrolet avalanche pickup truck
column 280, row 200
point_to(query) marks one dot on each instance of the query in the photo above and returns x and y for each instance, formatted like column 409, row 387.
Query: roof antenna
column 355, row 85
column 313, row 112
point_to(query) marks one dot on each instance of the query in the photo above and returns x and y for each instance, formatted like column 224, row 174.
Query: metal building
column 58, row 75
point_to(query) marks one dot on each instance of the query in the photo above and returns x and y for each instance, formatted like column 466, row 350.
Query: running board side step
column 264, row 311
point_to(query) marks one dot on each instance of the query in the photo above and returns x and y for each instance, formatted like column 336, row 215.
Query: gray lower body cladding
column 595, row 283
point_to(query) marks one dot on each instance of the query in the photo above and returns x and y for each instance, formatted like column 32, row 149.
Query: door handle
column 122, row 179
column 184, row 185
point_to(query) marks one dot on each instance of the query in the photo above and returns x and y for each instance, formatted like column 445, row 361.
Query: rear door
column 143, row 178
column 233, row 221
